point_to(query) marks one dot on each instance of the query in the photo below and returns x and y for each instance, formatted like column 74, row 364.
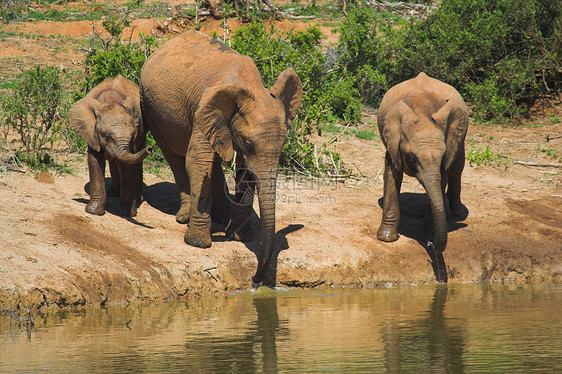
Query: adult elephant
column 109, row 120
column 423, row 124
column 202, row 101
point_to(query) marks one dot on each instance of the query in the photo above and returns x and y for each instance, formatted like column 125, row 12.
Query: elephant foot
column 182, row 216
column 387, row 233
column 127, row 210
column 198, row 237
column 96, row 207
column 241, row 233
column 458, row 211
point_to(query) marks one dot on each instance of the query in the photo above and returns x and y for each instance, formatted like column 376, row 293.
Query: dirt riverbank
column 53, row 254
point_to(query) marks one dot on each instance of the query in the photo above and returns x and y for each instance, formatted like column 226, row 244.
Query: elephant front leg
column 388, row 230
column 239, row 225
column 96, row 168
column 199, row 165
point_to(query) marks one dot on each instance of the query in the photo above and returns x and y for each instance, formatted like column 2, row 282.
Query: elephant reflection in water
column 253, row 352
column 430, row 345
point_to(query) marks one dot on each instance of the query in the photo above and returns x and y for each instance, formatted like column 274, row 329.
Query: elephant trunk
column 129, row 158
column 433, row 188
column 266, row 195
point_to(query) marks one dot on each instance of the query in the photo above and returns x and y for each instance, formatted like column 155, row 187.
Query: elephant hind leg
column 177, row 164
column 115, row 188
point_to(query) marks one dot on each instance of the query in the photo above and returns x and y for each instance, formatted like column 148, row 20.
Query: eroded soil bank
column 53, row 254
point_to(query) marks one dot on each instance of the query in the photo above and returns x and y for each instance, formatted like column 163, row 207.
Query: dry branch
column 539, row 164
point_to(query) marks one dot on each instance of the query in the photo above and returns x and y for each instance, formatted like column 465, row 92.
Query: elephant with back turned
column 109, row 120
column 202, row 101
column 423, row 124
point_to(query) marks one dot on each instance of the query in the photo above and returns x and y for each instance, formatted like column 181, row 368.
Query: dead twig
column 539, row 164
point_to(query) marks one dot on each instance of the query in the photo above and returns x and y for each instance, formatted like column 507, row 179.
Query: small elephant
column 423, row 124
column 202, row 101
column 109, row 120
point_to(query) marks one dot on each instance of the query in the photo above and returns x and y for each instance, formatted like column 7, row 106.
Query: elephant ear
column 82, row 118
column 453, row 117
column 392, row 129
column 288, row 89
column 214, row 116
column 129, row 104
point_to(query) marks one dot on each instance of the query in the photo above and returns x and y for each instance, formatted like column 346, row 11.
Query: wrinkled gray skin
column 423, row 124
column 109, row 120
column 202, row 101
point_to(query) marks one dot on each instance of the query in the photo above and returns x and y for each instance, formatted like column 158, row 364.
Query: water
column 483, row 328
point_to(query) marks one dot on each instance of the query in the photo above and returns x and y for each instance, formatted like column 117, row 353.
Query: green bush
column 107, row 59
column 502, row 55
column 326, row 96
column 115, row 56
column 36, row 110
column 478, row 156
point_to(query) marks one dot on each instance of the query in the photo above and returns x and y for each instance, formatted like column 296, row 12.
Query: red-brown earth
column 54, row 254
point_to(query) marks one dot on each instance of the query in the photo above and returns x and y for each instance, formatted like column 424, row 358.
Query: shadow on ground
column 413, row 208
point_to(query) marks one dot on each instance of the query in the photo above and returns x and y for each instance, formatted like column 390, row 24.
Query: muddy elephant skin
column 109, row 120
column 203, row 101
column 423, row 124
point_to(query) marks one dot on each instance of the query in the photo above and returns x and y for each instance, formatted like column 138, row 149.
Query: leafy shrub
column 505, row 52
column 502, row 55
column 35, row 111
column 325, row 98
column 115, row 57
column 485, row 156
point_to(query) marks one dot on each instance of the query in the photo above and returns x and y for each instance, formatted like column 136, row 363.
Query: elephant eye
column 412, row 159
column 248, row 146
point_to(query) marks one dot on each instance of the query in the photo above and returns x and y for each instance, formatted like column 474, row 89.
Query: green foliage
column 554, row 154
column 326, row 96
column 36, row 111
column 502, row 55
column 485, row 156
column 19, row 10
column 366, row 134
column 115, row 56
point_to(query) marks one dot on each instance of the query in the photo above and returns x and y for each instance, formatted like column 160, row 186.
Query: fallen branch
column 289, row 16
column 539, row 164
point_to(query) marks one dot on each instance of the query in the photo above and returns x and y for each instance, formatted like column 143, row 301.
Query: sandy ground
column 53, row 254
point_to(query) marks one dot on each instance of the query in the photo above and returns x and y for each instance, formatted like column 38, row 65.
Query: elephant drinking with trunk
column 109, row 120
column 423, row 124
column 202, row 101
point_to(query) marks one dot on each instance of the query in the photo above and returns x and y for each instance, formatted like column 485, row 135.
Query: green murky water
column 483, row 328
